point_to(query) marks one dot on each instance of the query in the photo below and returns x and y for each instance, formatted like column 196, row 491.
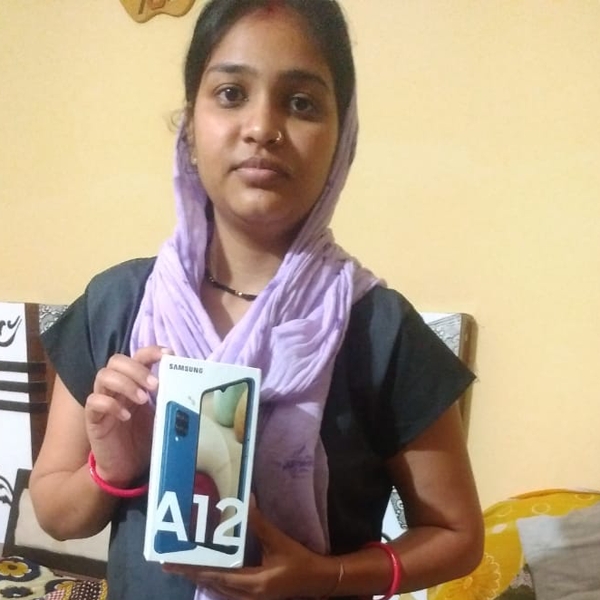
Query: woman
column 357, row 393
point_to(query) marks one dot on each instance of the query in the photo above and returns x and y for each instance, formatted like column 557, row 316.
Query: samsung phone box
column 201, row 463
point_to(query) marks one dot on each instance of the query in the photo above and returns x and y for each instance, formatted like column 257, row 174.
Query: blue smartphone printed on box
column 221, row 467
column 176, row 484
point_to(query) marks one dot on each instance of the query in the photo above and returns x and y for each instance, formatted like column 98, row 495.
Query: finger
column 242, row 579
column 99, row 406
column 150, row 354
column 267, row 534
column 232, row 582
column 136, row 369
column 234, row 593
column 125, row 378
column 213, row 573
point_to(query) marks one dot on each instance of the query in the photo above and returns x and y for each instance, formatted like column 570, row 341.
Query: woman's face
column 265, row 124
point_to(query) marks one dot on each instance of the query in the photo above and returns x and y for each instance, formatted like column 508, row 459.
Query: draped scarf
column 292, row 332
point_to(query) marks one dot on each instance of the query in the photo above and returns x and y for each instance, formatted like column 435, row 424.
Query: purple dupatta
column 292, row 332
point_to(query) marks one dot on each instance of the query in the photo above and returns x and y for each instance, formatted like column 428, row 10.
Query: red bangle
column 396, row 568
column 111, row 489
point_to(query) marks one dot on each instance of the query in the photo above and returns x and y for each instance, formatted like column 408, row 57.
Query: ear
column 188, row 115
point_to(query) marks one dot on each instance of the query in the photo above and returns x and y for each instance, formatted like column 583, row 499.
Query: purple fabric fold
column 292, row 332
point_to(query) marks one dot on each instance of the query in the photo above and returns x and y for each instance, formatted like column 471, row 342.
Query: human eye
column 230, row 95
column 303, row 105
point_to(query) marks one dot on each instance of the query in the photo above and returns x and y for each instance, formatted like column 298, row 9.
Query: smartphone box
column 201, row 462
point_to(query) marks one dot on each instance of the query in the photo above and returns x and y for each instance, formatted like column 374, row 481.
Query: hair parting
column 325, row 22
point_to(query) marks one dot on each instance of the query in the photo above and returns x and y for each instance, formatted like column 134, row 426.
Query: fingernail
column 125, row 415
column 167, row 351
column 152, row 381
column 142, row 395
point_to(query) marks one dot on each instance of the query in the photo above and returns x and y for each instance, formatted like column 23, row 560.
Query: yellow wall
column 475, row 188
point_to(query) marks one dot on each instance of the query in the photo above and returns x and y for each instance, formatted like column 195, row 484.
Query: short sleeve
column 409, row 377
column 424, row 378
column 97, row 325
column 67, row 344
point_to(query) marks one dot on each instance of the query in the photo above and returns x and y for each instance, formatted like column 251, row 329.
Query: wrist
column 396, row 567
column 367, row 572
column 333, row 574
column 111, row 479
column 110, row 487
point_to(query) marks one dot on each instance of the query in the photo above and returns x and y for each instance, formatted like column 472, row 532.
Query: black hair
column 325, row 22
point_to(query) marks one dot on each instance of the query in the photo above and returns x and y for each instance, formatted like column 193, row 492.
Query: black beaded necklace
column 226, row 288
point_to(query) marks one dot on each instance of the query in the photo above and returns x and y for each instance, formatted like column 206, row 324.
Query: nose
column 263, row 126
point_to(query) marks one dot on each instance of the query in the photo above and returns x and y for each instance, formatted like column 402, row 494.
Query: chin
column 268, row 223
column 263, row 210
column 263, row 205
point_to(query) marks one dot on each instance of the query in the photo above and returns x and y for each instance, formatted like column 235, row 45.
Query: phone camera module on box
column 182, row 422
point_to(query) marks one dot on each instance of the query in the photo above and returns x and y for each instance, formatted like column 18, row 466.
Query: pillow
column 501, row 570
column 563, row 554
column 520, row 588
column 24, row 537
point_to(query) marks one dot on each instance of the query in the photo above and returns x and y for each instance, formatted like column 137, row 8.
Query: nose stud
column 264, row 137
column 278, row 138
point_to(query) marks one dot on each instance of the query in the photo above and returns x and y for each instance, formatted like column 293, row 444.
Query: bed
column 35, row 566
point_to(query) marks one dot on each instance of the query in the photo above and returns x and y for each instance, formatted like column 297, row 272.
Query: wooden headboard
column 26, row 375
column 26, row 380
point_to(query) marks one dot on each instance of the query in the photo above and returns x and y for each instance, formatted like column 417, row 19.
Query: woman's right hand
column 119, row 416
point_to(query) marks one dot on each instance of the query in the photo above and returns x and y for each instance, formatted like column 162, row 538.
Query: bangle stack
column 111, row 489
column 396, row 568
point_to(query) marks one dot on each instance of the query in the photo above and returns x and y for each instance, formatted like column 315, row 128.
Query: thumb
column 266, row 533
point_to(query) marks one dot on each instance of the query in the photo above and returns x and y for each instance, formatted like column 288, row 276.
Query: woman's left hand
column 288, row 569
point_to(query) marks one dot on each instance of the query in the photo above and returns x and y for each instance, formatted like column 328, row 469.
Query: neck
column 242, row 262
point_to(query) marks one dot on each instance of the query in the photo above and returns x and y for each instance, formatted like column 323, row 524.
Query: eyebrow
column 292, row 74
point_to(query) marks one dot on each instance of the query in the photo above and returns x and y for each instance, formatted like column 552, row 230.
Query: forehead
column 271, row 39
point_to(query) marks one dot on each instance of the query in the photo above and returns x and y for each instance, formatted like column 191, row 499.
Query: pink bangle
column 111, row 489
column 396, row 568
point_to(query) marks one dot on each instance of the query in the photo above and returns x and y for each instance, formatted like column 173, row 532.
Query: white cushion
column 563, row 554
column 29, row 533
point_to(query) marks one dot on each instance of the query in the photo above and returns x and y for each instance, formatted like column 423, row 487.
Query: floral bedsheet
column 22, row 578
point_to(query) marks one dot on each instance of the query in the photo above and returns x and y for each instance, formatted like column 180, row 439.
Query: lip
column 261, row 163
column 257, row 170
